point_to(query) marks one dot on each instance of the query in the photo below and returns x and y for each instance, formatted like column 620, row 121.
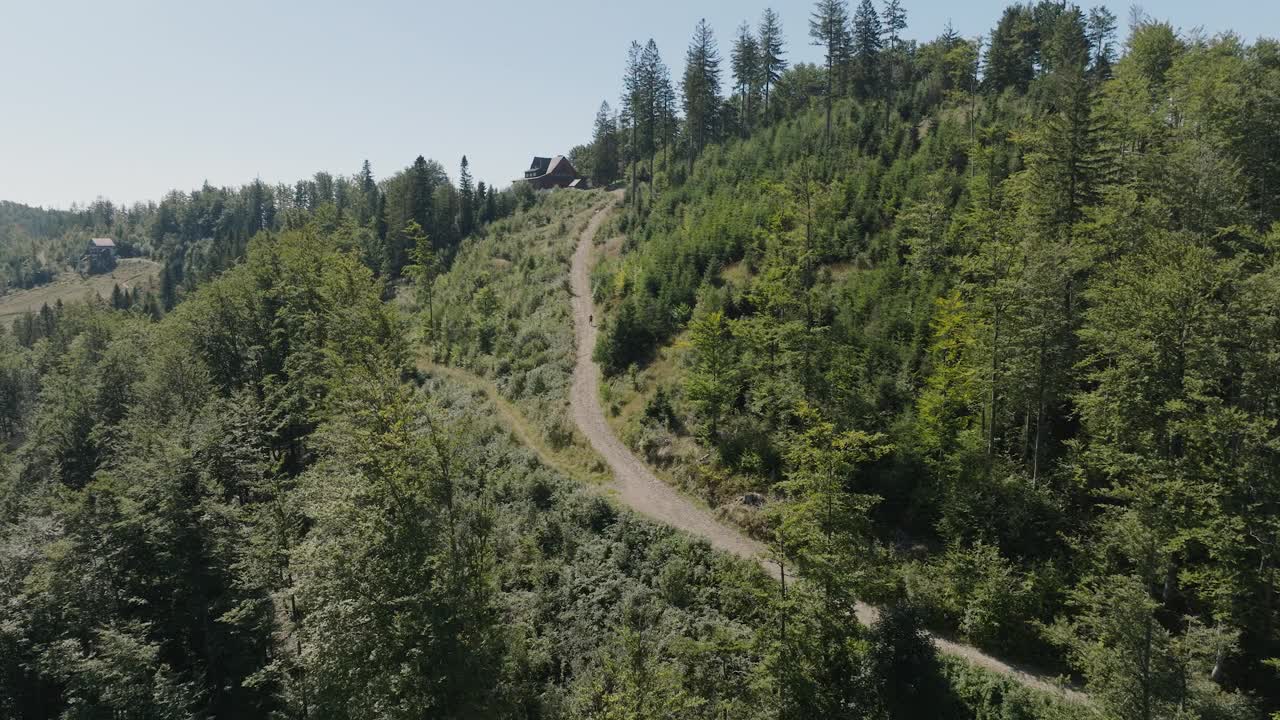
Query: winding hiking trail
column 642, row 491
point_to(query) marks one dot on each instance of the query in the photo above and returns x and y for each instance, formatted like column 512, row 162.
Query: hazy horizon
column 132, row 101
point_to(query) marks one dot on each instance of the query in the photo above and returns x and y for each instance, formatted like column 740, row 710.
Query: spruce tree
column 1101, row 31
column 632, row 108
column 746, row 69
column 868, row 42
column 771, row 58
column 466, row 191
column 482, row 209
column 604, row 145
column 701, row 89
column 829, row 28
column 656, row 81
column 895, row 21
column 368, row 207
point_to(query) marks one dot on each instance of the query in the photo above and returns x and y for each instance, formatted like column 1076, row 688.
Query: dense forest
column 1013, row 298
column 255, row 506
column 984, row 331
column 198, row 234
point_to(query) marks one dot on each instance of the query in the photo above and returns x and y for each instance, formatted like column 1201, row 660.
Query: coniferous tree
column 701, row 88
column 482, row 203
column 895, row 21
column 745, row 60
column 467, row 204
column 421, row 192
column 367, row 208
column 633, row 83
column 604, row 144
column 868, row 42
column 1101, row 29
column 1012, row 51
column 657, row 86
column 829, row 28
column 770, row 44
column 668, row 118
column 491, row 205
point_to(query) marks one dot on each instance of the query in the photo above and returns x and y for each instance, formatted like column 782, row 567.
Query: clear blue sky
column 127, row 100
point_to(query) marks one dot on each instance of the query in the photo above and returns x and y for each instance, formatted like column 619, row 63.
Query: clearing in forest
column 129, row 273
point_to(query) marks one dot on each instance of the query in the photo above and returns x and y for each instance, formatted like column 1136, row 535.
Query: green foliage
column 502, row 310
column 1051, row 294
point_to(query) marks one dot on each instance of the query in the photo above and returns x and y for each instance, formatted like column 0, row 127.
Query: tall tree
column 701, row 89
column 868, row 42
column 829, row 28
column 770, row 45
column 1101, row 31
column 632, row 108
column 604, row 169
column 895, row 21
column 745, row 60
column 657, row 86
column 467, row 206
column 668, row 117
column 482, row 203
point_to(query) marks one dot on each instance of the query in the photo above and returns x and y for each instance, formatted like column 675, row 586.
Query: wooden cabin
column 99, row 256
column 555, row 172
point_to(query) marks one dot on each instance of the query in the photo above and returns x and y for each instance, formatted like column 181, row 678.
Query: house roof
column 540, row 164
column 102, row 242
column 561, row 166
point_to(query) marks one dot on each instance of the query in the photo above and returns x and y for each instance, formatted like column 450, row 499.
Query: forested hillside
column 195, row 528
column 198, row 234
column 255, row 507
column 982, row 331
column 991, row 324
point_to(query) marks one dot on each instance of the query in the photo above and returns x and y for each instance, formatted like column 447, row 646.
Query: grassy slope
column 523, row 345
column 130, row 273
column 518, row 259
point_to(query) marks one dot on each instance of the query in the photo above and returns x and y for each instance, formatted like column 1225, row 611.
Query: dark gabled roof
column 540, row 164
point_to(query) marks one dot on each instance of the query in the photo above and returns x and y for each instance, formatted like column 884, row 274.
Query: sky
column 131, row 98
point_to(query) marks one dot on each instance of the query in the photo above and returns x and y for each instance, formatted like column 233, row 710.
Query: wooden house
column 99, row 256
column 557, row 172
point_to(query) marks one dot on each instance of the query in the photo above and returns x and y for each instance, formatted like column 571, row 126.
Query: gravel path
column 640, row 490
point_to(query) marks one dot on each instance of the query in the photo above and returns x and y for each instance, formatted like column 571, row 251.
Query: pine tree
column 466, row 191
column 701, row 89
column 714, row 380
column 868, row 42
column 657, row 85
column 604, row 147
column 745, row 60
column 632, row 109
column 421, row 190
column 771, row 53
column 895, row 21
column 368, row 206
column 829, row 28
column 491, row 205
column 423, row 270
column 1101, row 31
column 668, row 117
column 482, row 203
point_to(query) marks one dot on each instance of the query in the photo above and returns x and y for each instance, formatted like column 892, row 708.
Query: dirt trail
column 642, row 491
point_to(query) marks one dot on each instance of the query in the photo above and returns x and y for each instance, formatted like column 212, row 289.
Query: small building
column 557, row 172
column 99, row 256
